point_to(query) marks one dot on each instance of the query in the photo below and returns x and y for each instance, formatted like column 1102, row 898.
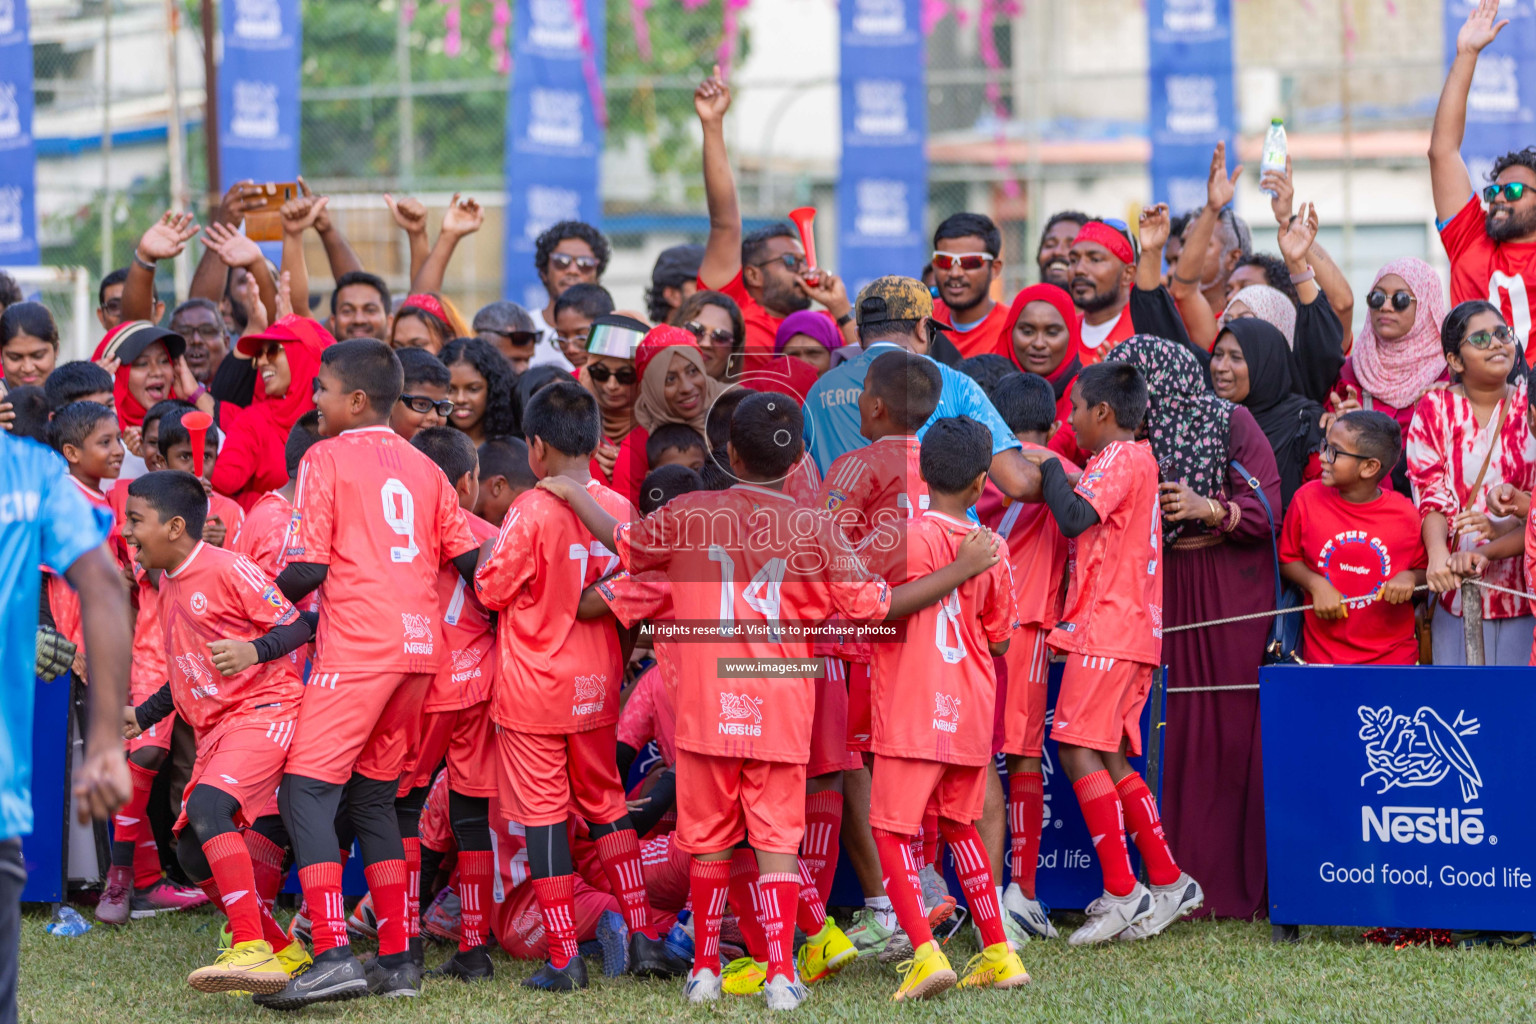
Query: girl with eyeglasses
column 483, row 390
column 1465, row 441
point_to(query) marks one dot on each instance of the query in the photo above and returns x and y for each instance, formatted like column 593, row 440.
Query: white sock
column 884, row 912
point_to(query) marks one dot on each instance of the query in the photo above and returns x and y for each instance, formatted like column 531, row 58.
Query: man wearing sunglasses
column 967, row 260
column 509, row 327
column 1493, row 252
column 569, row 253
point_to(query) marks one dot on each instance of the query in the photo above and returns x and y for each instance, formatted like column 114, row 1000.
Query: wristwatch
column 845, row 319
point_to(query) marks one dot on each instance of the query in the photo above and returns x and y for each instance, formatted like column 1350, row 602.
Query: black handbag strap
column 1269, row 515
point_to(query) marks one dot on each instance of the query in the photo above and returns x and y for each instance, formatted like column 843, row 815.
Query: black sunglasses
column 625, row 375
column 1401, row 299
column 717, row 337
column 517, row 338
column 422, row 404
column 1512, row 191
column 793, row 262
column 564, row 261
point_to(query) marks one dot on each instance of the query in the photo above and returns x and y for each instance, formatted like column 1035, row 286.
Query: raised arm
column 464, row 217
column 1448, row 176
column 1152, row 230
column 1189, row 274
column 165, row 240
column 410, row 215
column 298, row 214
column 722, row 251
column 236, row 250
column 1327, row 275
column 338, row 253
column 209, row 278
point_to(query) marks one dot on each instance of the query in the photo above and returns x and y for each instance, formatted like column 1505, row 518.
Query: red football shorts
column 467, row 738
column 1024, row 703
column 860, row 723
column 156, row 737
column 829, row 724
column 519, row 924
column 1100, row 703
column 905, row 787
column 666, row 867
column 247, row 762
column 543, row 777
column 363, row 722
column 723, row 800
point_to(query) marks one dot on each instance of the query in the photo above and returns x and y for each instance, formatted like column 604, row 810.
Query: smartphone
column 263, row 223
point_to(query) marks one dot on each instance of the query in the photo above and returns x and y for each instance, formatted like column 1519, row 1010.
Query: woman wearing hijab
column 810, row 337
column 287, row 358
column 1042, row 335
column 675, row 387
column 1251, row 365
column 1218, row 562
column 147, row 366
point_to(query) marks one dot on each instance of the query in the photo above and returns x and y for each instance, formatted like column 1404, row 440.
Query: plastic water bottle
column 1274, row 151
column 68, row 922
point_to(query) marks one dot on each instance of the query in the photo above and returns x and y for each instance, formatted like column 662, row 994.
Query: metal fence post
column 1472, row 620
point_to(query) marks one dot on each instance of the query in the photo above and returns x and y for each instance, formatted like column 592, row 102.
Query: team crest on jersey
column 835, row 499
column 740, row 715
column 272, row 596
column 199, row 603
column 1086, row 482
column 589, row 693
column 198, row 674
column 418, row 633
column 946, row 712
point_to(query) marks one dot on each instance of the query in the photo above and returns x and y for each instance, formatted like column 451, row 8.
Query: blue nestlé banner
column 18, row 193
column 1191, row 105
column 882, row 190
column 1503, row 96
column 259, row 91
column 554, row 140
column 1399, row 797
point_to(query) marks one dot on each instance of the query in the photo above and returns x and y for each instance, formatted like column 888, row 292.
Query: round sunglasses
column 1401, row 299
column 718, row 337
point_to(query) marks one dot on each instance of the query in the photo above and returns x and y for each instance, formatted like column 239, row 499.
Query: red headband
column 1109, row 238
column 428, row 302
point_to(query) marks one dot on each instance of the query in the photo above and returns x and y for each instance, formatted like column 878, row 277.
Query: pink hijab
column 1399, row 372
column 1268, row 304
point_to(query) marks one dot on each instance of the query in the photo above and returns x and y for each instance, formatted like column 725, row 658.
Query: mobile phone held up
column 263, row 223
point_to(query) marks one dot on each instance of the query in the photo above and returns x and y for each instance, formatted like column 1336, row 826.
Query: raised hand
column 322, row 215
column 167, row 237
column 285, row 294
column 1279, row 182
column 1153, row 227
column 712, row 98
column 410, row 213
column 1219, row 188
column 233, row 248
column 464, row 217
column 301, row 212
column 242, row 196
column 1481, row 27
column 1296, row 237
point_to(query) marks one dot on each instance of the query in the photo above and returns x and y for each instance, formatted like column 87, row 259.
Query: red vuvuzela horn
column 197, row 423
column 804, row 218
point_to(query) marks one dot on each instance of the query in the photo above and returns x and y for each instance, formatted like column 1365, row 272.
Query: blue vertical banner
column 18, row 156
column 1191, row 106
column 882, row 189
column 259, row 91
column 1503, row 96
column 554, row 135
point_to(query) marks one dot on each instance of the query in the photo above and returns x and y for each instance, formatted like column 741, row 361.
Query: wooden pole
column 211, row 106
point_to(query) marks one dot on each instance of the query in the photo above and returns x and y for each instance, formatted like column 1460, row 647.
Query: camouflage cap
column 894, row 298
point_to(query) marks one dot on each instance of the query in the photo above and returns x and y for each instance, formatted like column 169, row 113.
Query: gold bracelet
column 1216, row 511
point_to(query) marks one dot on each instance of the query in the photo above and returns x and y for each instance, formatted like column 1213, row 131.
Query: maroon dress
column 1213, row 783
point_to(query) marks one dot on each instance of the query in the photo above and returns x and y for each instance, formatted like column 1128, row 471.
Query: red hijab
column 1066, row 371
column 303, row 340
column 127, row 338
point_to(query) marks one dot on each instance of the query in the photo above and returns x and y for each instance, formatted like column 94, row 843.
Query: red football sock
column 412, row 886
column 819, row 848
column 266, row 863
column 779, row 894
column 272, row 931
column 231, row 864
column 1026, row 816
column 930, row 837
column 327, row 912
column 1106, row 825
column 1146, row 828
column 475, row 870
column 620, row 854
column 555, row 897
column 898, row 870
column 707, row 884
column 744, row 904
column 812, row 913
column 975, row 871
column 131, row 825
column 386, row 880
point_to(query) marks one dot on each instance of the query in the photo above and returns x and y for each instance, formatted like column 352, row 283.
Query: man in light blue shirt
column 45, row 519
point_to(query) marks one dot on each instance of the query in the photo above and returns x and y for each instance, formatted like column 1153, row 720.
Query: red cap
column 288, row 328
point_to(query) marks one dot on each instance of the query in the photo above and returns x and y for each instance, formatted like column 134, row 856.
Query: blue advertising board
column 44, row 849
column 259, row 91
column 1399, row 797
column 1191, row 101
column 18, row 156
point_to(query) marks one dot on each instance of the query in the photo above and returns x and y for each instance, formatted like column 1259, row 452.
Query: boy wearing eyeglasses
column 967, row 258
column 424, row 402
column 1355, row 547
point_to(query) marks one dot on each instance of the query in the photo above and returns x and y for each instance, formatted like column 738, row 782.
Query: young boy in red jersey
column 374, row 521
column 752, row 555
column 1356, row 548
column 556, row 698
column 504, row 475
column 225, row 516
column 221, row 614
column 1037, row 554
column 424, row 401
column 265, row 529
column 457, row 725
column 933, row 695
column 1111, row 632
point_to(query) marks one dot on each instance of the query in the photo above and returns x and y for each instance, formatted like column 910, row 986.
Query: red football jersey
column 646, row 597
column 263, row 532
column 148, row 672
column 384, row 518
column 933, row 693
column 804, row 480
column 557, row 673
column 650, row 714
column 878, row 485
column 467, row 677
column 1504, row 273
column 228, row 512
column 219, row 595
column 1114, row 606
column 1037, row 550
column 756, row 568
column 63, row 602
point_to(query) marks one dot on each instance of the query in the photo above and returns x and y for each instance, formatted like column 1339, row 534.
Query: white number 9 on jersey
column 400, row 514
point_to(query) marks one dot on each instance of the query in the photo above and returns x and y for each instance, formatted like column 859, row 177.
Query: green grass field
column 1199, row 971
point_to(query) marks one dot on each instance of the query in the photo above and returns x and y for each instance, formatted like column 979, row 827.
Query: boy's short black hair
column 564, row 416
column 1026, row 402
column 507, row 457
column 352, row 277
column 766, row 431
column 970, row 225
column 662, row 485
column 987, row 369
column 590, row 300
column 1377, row 436
column 908, row 384
column 69, row 382
column 172, row 493
column 163, row 408
column 450, row 448
column 421, row 367
column 1121, row 385
column 369, row 366
column 717, row 426
column 716, row 474
column 75, row 422
column 173, row 432
column 30, row 404
column 956, row 449
column 118, row 276
column 536, row 378
column 304, row 436
column 672, row 435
